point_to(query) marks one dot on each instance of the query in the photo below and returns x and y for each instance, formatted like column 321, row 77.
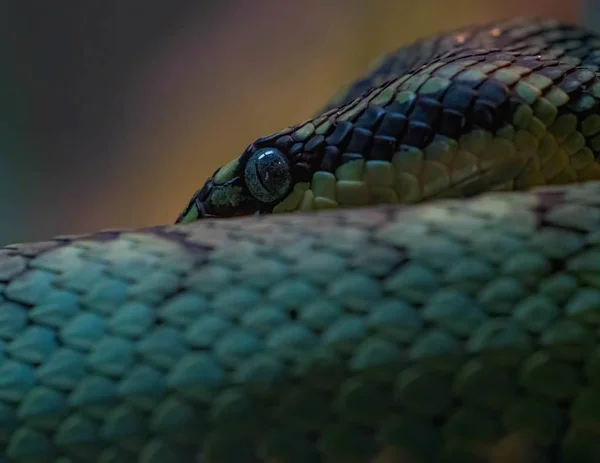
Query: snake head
column 254, row 183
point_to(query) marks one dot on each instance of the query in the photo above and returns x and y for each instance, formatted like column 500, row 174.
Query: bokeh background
column 112, row 113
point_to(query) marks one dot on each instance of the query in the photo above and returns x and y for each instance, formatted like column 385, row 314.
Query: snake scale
column 460, row 326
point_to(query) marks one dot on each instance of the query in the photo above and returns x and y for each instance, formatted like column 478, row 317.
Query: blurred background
column 112, row 113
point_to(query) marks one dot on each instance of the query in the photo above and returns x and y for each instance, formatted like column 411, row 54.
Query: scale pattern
column 450, row 331
column 548, row 36
column 503, row 106
column 471, row 121
column 455, row 331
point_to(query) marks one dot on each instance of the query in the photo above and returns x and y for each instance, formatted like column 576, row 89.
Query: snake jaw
column 219, row 200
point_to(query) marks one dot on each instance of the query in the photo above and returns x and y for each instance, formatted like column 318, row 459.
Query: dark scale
column 583, row 76
column 296, row 149
column 302, row 172
column 426, row 111
column 299, row 157
column 312, row 158
column 500, row 56
column 576, row 80
column 360, row 140
column 383, row 148
column 555, row 73
column 452, row 123
column 392, row 125
column 484, row 114
column 570, row 85
column 471, row 83
column 418, row 134
column 566, row 66
column 370, row 118
column 530, row 62
column 582, row 104
column 347, row 157
column 492, row 104
column 315, row 143
column 331, row 159
column 340, row 134
column 284, row 143
column 402, row 108
column 493, row 91
column 549, row 62
column 308, row 157
column 459, row 97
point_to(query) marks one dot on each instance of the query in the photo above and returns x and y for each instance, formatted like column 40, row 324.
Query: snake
column 410, row 276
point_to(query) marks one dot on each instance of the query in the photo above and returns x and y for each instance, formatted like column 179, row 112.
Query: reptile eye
column 267, row 175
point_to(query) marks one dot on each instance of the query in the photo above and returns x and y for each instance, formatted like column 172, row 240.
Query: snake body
column 455, row 330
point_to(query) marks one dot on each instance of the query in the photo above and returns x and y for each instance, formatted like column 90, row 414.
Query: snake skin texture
column 454, row 331
column 506, row 106
column 459, row 330
column 552, row 38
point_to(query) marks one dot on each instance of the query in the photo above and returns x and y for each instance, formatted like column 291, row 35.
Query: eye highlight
column 267, row 175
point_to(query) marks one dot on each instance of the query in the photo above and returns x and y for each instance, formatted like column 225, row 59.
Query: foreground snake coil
column 457, row 330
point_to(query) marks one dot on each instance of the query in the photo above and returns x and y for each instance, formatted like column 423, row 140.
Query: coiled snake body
column 454, row 330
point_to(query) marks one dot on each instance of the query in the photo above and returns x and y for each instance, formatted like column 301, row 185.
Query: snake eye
column 267, row 175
